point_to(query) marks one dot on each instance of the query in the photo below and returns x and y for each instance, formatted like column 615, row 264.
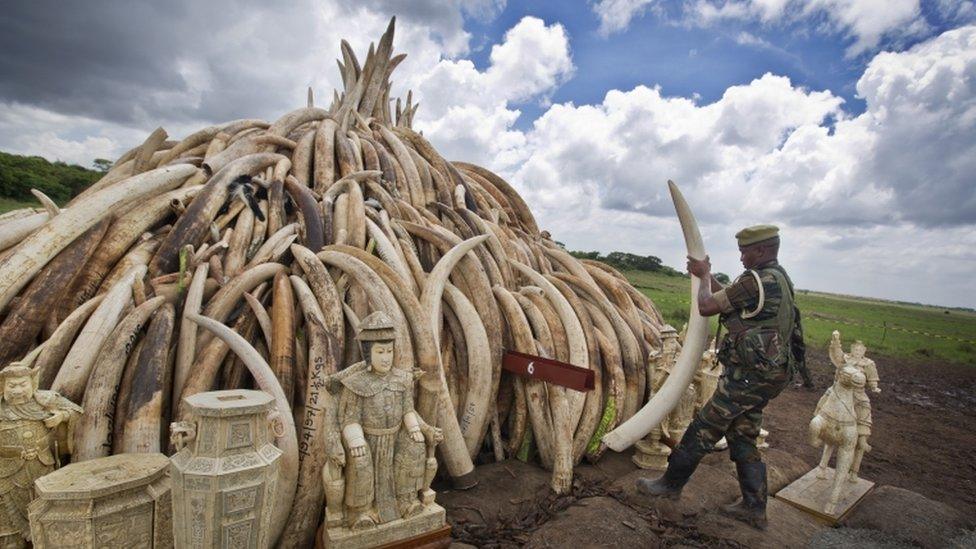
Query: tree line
column 624, row 261
column 58, row 180
column 629, row 262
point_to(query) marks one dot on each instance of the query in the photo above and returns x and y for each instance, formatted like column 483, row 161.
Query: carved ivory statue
column 682, row 414
column 842, row 420
column 862, row 404
column 381, row 460
column 651, row 452
column 706, row 378
column 35, row 428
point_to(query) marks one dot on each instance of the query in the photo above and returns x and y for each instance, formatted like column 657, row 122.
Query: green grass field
column 887, row 328
column 8, row 204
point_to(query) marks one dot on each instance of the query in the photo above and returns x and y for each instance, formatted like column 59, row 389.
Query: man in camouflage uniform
column 758, row 313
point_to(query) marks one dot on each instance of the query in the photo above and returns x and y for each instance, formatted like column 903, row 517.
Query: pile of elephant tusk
column 245, row 254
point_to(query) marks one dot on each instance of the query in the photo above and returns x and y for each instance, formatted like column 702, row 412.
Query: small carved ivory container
column 115, row 501
column 225, row 476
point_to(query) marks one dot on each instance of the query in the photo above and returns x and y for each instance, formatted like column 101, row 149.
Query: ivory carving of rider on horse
column 862, row 404
column 842, row 420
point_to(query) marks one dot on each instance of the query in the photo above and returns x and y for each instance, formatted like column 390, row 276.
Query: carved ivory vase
column 651, row 452
column 224, row 478
column 115, row 501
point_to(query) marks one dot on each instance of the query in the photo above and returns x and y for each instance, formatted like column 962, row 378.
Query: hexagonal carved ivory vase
column 115, row 501
column 225, row 476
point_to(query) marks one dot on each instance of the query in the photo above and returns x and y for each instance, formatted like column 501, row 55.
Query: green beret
column 756, row 233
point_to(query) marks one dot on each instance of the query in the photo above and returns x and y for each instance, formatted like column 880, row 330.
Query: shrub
column 60, row 181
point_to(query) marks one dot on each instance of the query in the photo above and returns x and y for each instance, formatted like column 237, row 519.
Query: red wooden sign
column 546, row 369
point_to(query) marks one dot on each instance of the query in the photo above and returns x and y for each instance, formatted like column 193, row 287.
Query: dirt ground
column 923, row 442
column 924, row 434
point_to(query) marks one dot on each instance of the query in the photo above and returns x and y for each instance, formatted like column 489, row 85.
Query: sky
column 851, row 124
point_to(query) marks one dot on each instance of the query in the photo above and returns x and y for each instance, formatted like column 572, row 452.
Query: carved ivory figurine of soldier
column 381, row 460
column 34, row 429
column 835, row 426
column 862, row 404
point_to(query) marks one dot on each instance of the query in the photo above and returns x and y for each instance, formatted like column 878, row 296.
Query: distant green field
column 887, row 328
column 7, row 204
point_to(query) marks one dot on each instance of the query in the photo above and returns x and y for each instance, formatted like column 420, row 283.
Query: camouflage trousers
column 735, row 412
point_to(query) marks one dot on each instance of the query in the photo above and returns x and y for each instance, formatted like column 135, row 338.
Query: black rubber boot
column 751, row 509
column 680, row 467
column 806, row 381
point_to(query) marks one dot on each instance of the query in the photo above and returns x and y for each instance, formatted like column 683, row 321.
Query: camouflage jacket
column 759, row 313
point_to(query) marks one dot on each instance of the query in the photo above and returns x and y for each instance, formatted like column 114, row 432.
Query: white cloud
column 868, row 21
column 865, row 22
column 922, row 110
column 484, row 10
column 442, row 20
column 957, row 11
column 72, row 139
column 140, row 68
column 533, row 59
column 748, row 39
column 468, row 113
column 638, row 137
column 616, row 15
column 867, row 202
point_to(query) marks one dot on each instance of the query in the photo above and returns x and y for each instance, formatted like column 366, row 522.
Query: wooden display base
column 436, row 539
column 809, row 493
column 428, row 530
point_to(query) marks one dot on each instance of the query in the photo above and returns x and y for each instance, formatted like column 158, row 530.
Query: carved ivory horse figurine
column 835, row 426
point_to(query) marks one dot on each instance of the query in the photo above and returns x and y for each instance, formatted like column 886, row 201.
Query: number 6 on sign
column 545, row 369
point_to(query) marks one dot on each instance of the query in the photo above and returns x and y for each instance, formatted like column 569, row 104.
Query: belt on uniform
column 378, row 431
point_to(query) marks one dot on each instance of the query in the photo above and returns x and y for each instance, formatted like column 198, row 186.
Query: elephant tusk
column 667, row 397
column 49, row 205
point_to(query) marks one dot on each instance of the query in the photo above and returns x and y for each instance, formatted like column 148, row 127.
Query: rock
column 857, row 537
column 587, row 523
column 788, row 527
column 964, row 540
column 713, row 485
column 908, row 515
column 708, row 488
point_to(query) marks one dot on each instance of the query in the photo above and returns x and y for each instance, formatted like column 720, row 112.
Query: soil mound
column 910, row 516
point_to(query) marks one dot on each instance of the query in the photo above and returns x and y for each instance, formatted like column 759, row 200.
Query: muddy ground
column 923, row 462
